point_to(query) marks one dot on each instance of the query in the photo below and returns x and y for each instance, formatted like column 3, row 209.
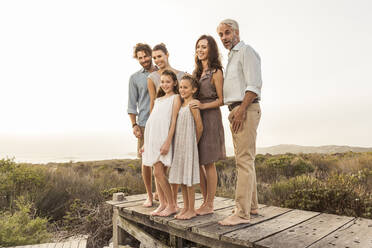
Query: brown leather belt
column 234, row 104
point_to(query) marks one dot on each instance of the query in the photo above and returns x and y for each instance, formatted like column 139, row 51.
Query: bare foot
column 147, row 203
column 183, row 210
column 168, row 211
column 203, row 204
column 158, row 210
column 203, row 210
column 254, row 212
column 188, row 215
column 233, row 220
column 156, row 197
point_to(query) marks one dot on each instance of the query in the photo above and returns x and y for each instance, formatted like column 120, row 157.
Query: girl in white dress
column 159, row 131
column 185, row 164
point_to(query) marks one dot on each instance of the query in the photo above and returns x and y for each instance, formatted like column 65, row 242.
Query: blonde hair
column 230, row 22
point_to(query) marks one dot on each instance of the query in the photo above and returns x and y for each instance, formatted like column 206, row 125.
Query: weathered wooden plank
column 200, row 220
column 45, row 245
column 205, row 219
column 175, row 241
column 214, row 230
column 74, row 243
column 146, row 239
column 145, row 221
column 355, row 234
column 67, row 244
column 117, row 233
column 52, row 245
column 140, row 210
column 133, row 204
column 306, row 233
column 140, row 202
column 129, row 198
column 165, row 220
column 59, row 245
column 83, row 243
column 247, row 236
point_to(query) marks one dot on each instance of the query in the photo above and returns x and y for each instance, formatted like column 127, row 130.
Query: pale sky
column 65, row 65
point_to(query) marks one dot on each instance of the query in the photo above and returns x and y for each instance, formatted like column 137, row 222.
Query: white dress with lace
column 185, row 163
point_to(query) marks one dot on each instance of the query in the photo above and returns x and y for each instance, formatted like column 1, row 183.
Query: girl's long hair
column 194, row 84
column 173, row 76
column 214, row 61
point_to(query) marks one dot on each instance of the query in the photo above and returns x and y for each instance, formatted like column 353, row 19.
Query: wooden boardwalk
column 274, row 227
column 76, row 243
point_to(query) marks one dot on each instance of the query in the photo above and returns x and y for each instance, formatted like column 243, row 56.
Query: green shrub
column 17, row 180
column 339, row 194
column 21, row 228
column 275, row 168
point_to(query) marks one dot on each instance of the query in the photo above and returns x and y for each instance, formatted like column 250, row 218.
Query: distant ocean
column 44, row 159
column 50, row 156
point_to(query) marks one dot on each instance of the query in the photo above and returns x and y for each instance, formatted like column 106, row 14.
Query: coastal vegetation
column 41, row 203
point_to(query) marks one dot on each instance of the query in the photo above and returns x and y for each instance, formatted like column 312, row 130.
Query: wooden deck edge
column 206, row 241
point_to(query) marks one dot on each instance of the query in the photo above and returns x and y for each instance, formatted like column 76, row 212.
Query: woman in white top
column 160, row 55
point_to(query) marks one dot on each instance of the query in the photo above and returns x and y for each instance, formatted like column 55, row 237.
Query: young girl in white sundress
column 185, row 164
column 159, row 131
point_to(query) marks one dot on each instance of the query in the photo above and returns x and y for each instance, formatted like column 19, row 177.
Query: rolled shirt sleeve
column 132, row 97
column 252, row 71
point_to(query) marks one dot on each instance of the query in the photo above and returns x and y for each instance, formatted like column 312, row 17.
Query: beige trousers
column 245, row 152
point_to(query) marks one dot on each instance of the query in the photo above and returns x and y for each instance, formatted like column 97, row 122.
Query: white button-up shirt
column 243, row 73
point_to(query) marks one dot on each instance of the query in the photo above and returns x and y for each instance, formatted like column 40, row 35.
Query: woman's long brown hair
column 214, row 61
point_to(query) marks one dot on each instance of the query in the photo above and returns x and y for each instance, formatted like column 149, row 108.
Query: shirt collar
column 143, row 69
column 238, row 46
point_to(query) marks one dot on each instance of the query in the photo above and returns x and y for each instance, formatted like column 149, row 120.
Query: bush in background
column 21, row 227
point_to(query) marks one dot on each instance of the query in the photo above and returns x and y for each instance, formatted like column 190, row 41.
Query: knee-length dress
column 185, row 163
column 156, row 132
column 212, row 142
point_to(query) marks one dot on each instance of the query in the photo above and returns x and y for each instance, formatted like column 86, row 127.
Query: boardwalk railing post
column 175, row 241
column 117, row 234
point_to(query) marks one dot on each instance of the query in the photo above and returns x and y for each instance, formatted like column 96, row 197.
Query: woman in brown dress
column 208, row 70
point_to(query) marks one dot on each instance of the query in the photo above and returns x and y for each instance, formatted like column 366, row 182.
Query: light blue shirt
column 139, row 99
column 243, row 73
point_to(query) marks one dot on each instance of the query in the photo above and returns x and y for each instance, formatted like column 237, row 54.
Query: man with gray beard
column 242, row 93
